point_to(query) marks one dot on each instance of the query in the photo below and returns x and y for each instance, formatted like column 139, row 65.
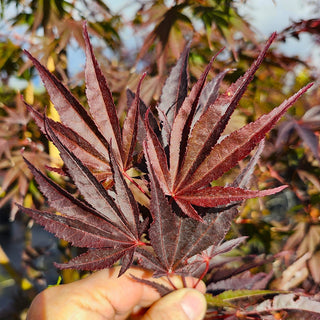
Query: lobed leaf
column 237, row 145
column 181, row 161
column 213, row 121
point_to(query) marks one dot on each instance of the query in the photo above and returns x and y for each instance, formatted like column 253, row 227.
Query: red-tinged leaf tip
column 143, row 76
column 216, row 55
column 85, row 25
column 273, row 37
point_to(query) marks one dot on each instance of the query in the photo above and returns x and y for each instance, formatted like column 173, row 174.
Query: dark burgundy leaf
column 208, row 129
column 189, row 218
column 71, row 207
column 237, row 145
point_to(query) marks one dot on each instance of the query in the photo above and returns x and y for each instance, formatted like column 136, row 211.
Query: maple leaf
column 88, row 134
column 196, row 157
column 173, row 249
column 111, row 228
column 182, row 155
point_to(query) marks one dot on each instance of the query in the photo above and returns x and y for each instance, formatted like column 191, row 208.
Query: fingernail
column 194, row 305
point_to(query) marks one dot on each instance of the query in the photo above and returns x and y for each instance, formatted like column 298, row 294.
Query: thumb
column 182, row 304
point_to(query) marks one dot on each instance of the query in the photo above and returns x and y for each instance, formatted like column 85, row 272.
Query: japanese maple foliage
column 183, row 153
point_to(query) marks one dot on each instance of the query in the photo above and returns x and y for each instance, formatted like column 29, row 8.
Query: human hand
column 104, row 296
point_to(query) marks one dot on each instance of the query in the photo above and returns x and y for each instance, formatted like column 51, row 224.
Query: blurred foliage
column 284, row 229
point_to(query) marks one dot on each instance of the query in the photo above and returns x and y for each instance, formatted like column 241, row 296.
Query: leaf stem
column 184, row 281
column 203, row 273
column 171, row 283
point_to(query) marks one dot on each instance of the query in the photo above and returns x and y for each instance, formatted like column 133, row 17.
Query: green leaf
column 222, row 299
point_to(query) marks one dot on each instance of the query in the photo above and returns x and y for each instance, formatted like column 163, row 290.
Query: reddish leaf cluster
column 182, row 154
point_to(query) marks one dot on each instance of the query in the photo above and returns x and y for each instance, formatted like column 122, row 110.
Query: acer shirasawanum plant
column 146, row 192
